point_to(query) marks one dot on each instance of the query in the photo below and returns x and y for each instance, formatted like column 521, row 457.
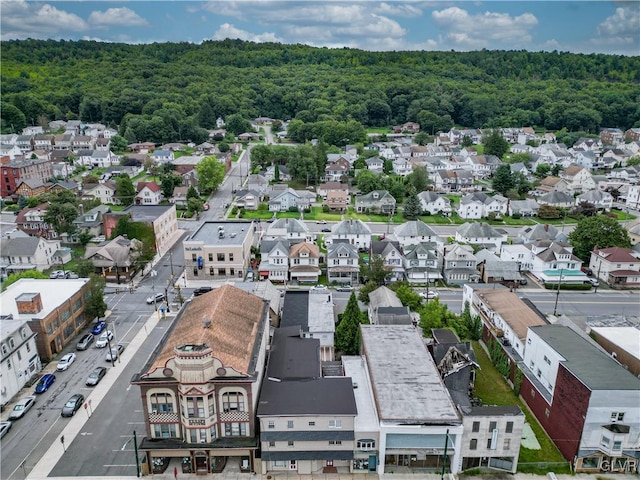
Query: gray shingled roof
column 556, row 198
column 15, row 247
column 415, row 228
column 291, row 225
column 342, row 250
column 478, row 230
column 351, row 227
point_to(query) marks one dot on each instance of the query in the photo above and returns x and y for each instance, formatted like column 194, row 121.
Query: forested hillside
column 168, row 92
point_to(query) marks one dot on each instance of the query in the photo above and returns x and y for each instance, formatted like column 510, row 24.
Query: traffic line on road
column 123, row 465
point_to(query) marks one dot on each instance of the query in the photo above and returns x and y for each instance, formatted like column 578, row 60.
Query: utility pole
column 555, row 307
column 135, row 450
column 444, row 457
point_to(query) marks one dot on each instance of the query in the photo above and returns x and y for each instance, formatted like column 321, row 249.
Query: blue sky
column 574, row 26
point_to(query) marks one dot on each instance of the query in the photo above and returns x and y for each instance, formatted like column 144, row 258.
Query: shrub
column 516, row 216
column 569, row 286
column 293, row 209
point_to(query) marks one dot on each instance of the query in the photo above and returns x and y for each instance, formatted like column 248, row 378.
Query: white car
column 66, row 361
column 429, row 294
column 157, row 298
column 319, row 288
column 104, row 339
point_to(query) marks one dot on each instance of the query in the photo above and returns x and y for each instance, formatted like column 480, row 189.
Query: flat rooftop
column 235, row 233
column 406, row 384
column 627, row 338
column 53, row 293
column 321, row 312
column 367, row 418
column 147, row 213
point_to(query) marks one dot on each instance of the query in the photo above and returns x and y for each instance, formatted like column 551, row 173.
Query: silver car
column 22, row 407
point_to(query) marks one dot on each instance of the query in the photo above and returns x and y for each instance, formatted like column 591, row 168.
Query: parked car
column 66, row 361
column 114, row 353
column 22, row 407
column 56, row 273
column 523, row 281
column 73, row 275
column 45, row 382
column 73, row 405
column 104, row 339
column 429, row 294
column 4, row 428
column 201, row 291
column 587, row 271
column 62, row 274
column 593, row 281
column 205, row 207
column 319, row 288
column 345, row 288
column 326, row 230
column 98, row 327
column 95, row 376
column 84, row 342
column 321, row 222
column 158, row 297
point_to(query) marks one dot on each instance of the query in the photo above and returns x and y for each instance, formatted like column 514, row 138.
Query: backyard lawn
column 493, row 389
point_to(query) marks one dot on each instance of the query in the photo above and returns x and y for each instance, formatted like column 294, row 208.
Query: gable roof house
column 290, row 228
column 422, row 263
column 617, row 266
column 539, row 231
column 376, row 201
column 392, row 255
column 459, row 265
column 434, row 204
column 402, row 167
column 480, row 233
column 115, row 260
column 274, row 263
column 19, row 253
column 31, row 221
column 342, row 262
column 603, row 201
column 385, row 308
column 554, row 262
column 375, row 164
column 162, row 156
column 495, row 270
column 270, row 175
column 105, row 192
column 337, row 201
column 304, row 260
column 479, row 205
column 552, row 184
column 44, row 142
column 452, row 180
column 289, row 198
column 611, row 136
column 326, row 188
column 336, row 171
column 248, row 199
column 257, row 183
column 556, row 199
column 578, row 179
column 148, row 193
column 414, row 232
column 526, row 208
column 91, row 221
column 355, row 232
column 179, row 197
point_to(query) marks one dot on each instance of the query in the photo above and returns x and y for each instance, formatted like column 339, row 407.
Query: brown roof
column 297, row 249
column 235, row 319
column 572, row 170
column 153, row 186
column 512, row 309
column 616, row 254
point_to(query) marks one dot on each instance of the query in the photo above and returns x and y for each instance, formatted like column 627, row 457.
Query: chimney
column 546, row 227
column 81, row 209
column 29, row 303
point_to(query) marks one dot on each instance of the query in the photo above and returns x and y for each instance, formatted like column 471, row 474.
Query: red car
column 206, row 206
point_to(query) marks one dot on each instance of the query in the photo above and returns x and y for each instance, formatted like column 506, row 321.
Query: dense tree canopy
column 210, row 174
column 174, row 91
column 600, row 231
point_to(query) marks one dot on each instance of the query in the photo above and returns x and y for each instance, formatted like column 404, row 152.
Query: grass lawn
column 380, row 130
column 493, row 389
column 183, row 152
column 257, row 214
column 436, row 219
column 317, row 214
column 622, row 216
column 295, row 215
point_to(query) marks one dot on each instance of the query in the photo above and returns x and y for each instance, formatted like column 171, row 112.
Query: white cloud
column 398, row 10
column 116, row 17
column 228, row 30
column 21, row 19
column 622, row 27
column 489, row 29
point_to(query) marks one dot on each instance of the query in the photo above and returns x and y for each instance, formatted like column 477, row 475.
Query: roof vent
column 206, row 322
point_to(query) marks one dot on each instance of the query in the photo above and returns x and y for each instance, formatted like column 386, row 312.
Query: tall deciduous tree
column 412, row 207
column 419, row 178
column 210, row 174
column 503, row 180
column 374, row 270
column 494, row 144
column 125, row 191
column 600, row 231
column 96, row 306
column 60, row 215
column 348, row 330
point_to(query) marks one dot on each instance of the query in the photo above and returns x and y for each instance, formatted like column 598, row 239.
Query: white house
column 20, row 359
column 20, row 252
column 434, row 204
column 554, row 262
column 619, row 267
column 402, row 167
column 355, row 232
column 274, row 264
column 414, row 232
column 479, row 205
column 480, row 233
column 293, row 230
column 422, row 262
column 149, row 193
column 283, row 201
column 602, row 200
column 105, row 192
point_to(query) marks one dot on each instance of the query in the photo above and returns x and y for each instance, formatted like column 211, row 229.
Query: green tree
column 14, row 277
column 348, row 330
column 84, row 237
column 96, row 307
column 84, row 268
column 125, row 190
column 118, row 144
column 600, row 231
column 495, row 144
column 192, row 193
column 167, row 185
column 542, row 170
column 467, row 141
column 237, row 124
column 140, row 231
column 412, row 207
column 365, row 290
column 433, row 315
column 367, row 181
column 471, row 325
column 407, row 295
column 374, row 270
column 60, row 215
column 210, row 174
column 549, row 212
column 195, row 205
column 503, row 180
column 421, row 138
column 419, row 178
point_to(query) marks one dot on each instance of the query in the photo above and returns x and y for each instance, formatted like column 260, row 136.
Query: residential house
column 82, row 142
column 495, row 270
column 459, row 265
column 91, row 221
column 392, row 255
column 62, row 141
column 248, row 199
column 162, row 218
column 207, row 148
column 325, row 189
column 20, row 363
column 556, row 199
column 115, row 260
column 483, row 166
column 405, row 399
column 12, row 151
column 633, row 197
column 337, row 171
column 408, row 127
column 633, row 230
column 588, row 160
column 179, row 197
column 457, row 135
column 633, row 134
column 274, row 263
column 148, row 193
column 31, row 221
column 402, row 167
column 103, row 144
column 414, row 232
column 162, row 156
column 479, row 205
column 25, row 143
column 618, row 267
column 385, row 308
column 541, row 231
column 295, row 231
column 200, row 388
column 141, row 147
column 554, row 262
column 376, row 201
column 290, row 198
column 603, row 201
column 342, row 262
column 32, row 188
column 578, row 179
column 269, row 173
column 480, row 233
column 187, row 163
column 525, row 208
column 337, row 201
column 219, row 250
column 19, row 252
column 105, row 192
column 452, row 180
column 583, row 398
column 43, row 142
column 611, row 136
column 422, row 262
column 62, row 169
column 355, row 232
column 102, row 159
column 54, row 310
column 434, row 203
column 552, row 184
column 375, row 164
column 257, row 183
column 15, row 171
column 249, row 137
column 304, row 259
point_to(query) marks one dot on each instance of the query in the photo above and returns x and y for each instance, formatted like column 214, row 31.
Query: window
column 211, row 257
column 4, row 349
column 538, row 373
column 617, row 416
column 604, row 441
column 164, row 431
column 492, row 426
column 195, row 271
column 233, row 402
column 230, row 257
column 473, row 444
column 290, row 443
column 28, row 347
column 489, row 443
column 222, row 272
column 211, row 403
column 366, row 444
column 193, row 257
column 335, row 423
column 12, row 343
column 312, row 424
column 212, row 432
column 162, row 403
column 335, row 442
column 548, row 362
column 272, row 443
column 289, row 423
column 617, row 445
column 476, row 427
column 193, row 436
column 235, row 429
column 212, row 271
column 272, row 424
column 509, row 428
column 507, row 443
column 19, row 355
column 221, row 257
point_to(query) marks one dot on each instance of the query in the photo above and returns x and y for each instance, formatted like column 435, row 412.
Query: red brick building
column 16, row 171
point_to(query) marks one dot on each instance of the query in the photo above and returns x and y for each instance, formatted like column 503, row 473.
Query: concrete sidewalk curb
column 56, row 451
